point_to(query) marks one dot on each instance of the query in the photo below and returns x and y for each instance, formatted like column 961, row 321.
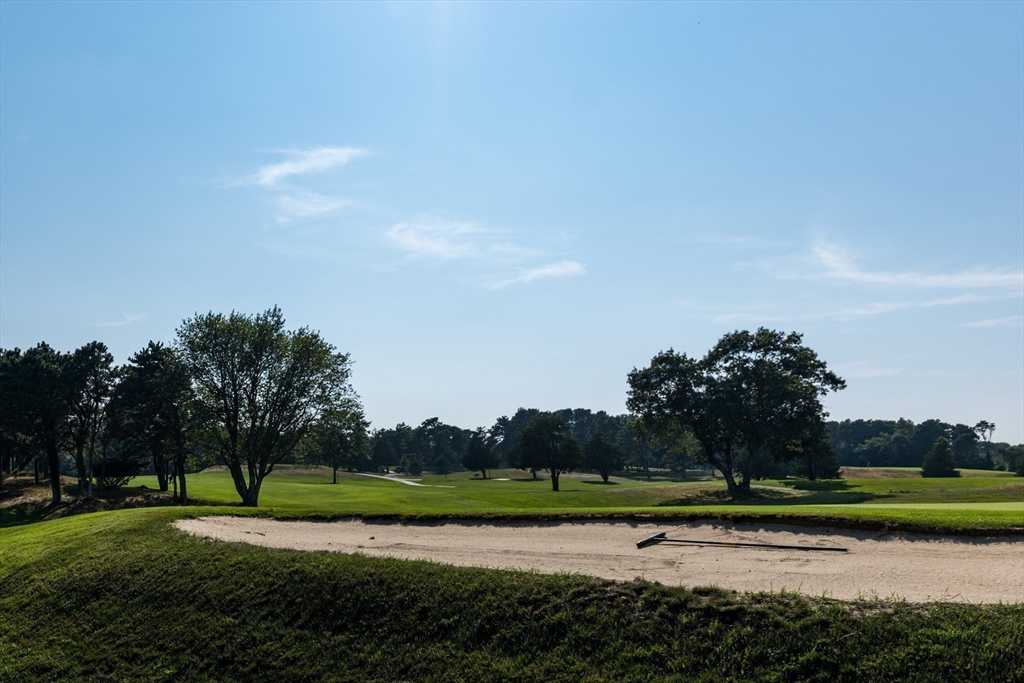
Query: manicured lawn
column 925, row 504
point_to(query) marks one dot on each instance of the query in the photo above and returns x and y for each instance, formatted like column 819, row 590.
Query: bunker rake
column 662, row 538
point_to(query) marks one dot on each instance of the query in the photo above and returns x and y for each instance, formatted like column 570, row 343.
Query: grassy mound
column 123, row 596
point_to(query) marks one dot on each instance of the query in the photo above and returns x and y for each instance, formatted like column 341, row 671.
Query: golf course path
column 917, row 568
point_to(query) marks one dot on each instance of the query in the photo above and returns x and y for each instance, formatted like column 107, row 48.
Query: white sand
column 914, row 567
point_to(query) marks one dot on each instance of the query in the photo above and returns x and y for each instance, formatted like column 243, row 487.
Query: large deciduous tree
column 260, row 388
column 752, row 394
column 545, row 445
column 675, row 396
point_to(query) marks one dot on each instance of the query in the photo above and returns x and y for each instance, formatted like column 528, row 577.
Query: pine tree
column 939, row 462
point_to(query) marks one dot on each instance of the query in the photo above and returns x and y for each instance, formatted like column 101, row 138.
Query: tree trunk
column 554, row 480
column 483, row 473
column 335, row 474
column 83, row 477
column 252, row 495
column 182, row 492
column 726, row 469
column 53, row 460
column 604, row 475
column 160, row 467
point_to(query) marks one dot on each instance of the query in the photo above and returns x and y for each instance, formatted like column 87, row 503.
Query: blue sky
column 503, row 205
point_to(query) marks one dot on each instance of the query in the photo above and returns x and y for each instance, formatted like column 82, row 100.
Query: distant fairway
column 952, row 504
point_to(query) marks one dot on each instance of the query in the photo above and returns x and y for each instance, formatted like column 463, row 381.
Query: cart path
column 917, row 568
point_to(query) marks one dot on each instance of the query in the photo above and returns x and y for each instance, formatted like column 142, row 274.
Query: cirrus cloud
column 304, row 162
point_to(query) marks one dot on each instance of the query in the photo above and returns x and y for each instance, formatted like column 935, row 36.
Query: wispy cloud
column 868, row 309
column 129, row 318
column 304, row 162
column 306, row 205
column 1008, row 321
column 439, row 239
column 838, row 266
column 828, row 262
column 560, row 269
column 444, row 240
column 866, row 369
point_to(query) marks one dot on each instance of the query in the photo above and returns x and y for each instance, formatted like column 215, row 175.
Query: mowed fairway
column 962, row 504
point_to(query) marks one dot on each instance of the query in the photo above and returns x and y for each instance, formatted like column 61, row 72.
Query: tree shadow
column 817, row 485
column 601, row 483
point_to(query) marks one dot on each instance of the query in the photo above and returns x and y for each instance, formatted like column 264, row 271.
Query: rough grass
column 123, row 596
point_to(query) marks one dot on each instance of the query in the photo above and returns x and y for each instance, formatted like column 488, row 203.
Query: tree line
column 439, row 446
column 901, row 443
column 236, row 390
column 243, row 392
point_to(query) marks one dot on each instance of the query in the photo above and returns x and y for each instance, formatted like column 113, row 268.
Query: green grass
column 123, row 596
column 966, row 505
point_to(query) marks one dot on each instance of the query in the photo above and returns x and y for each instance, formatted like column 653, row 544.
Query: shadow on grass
column 766, row 496
column 818, row 485
column 601, row 483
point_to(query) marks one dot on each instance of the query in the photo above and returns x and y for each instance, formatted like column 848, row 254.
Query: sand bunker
column 914, row 567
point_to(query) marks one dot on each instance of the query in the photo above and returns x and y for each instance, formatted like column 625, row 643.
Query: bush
column 117, row 470
column 939, row 462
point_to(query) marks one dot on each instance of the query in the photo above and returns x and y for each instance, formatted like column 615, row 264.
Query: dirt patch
column 914, row 567
column 22, row 501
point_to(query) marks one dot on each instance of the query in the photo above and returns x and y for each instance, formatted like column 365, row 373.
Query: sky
column 496, row 205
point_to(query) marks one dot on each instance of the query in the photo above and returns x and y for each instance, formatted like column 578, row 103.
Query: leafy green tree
column 260, row 388
column 545, row 445
column 153, row 415
column 505, row 435
column 967, row 450
column 339, row 440
column 772, row 385
column 479, row 455
column 91, row 374
column 815, row 455
column 984, row 429
column 603, row 456
column 940, row 461
column 676, row 396
column 36, row 390
column 748, row 398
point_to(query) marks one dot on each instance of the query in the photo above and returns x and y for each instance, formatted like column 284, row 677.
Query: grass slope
column 966, row 505
column 123, row 596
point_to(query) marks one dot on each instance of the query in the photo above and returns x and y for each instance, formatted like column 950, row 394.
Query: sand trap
column 914, row 567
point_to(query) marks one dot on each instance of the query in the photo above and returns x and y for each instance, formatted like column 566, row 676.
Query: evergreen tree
column 939, row 462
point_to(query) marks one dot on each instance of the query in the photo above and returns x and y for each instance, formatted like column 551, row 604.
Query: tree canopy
column 751, row 394
column 259, row 388
column 545, row 445
column 939, row 462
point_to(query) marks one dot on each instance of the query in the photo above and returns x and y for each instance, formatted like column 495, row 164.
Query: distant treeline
column 438, row 446
column 901, row 443
column 244, row 392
